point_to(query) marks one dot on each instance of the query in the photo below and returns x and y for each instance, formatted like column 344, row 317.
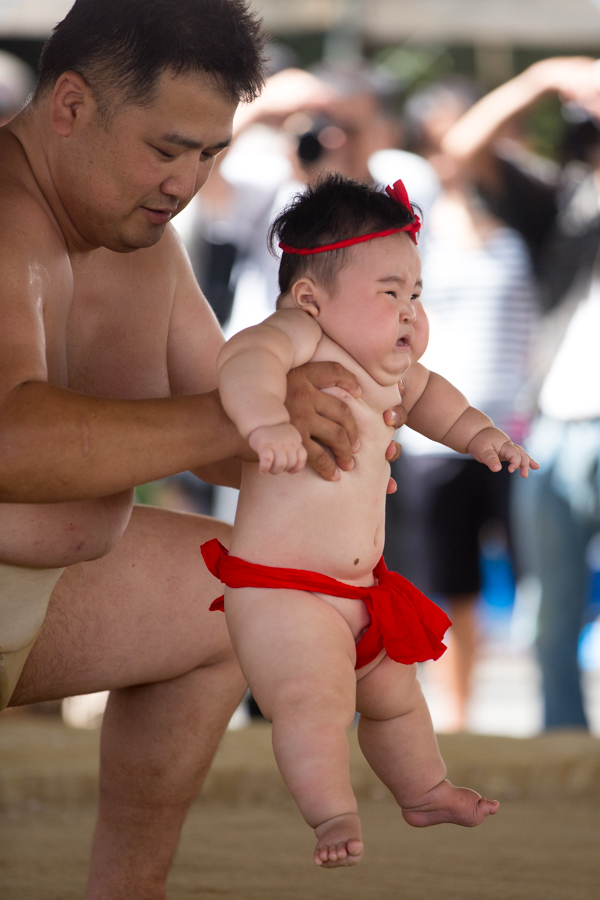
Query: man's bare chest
column 117, row 331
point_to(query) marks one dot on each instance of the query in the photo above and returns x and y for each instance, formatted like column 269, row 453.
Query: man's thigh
column 138, row 615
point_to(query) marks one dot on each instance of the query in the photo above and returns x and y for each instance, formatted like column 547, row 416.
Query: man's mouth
column 158, row 216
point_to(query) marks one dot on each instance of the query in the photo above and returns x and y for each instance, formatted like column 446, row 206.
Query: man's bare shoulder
column 170, row 251
column 26, row 219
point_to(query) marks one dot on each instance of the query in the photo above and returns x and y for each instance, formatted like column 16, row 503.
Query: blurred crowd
column 511, row 272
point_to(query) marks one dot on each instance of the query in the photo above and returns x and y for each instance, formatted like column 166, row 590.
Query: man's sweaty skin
column 105, row 355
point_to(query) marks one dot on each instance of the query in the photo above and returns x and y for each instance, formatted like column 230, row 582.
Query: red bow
column 397, row 192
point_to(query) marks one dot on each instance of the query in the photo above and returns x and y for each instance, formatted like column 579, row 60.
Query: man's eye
column 164, row 153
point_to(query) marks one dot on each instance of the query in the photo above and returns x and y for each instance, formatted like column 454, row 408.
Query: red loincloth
column 403, row 620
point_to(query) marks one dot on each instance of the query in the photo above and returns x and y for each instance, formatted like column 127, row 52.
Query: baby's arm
column 252, row 369
column 439, row 411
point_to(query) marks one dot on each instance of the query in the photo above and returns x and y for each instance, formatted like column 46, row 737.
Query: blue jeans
column 560, row 508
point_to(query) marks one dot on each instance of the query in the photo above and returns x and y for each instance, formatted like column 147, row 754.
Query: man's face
column 121, row 183
column 363, row 131
column 375, row 311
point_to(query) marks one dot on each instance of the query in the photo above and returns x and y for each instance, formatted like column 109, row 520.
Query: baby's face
column 375, row 311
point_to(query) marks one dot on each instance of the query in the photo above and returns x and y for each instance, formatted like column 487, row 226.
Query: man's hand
column 575, row 78
column 285, row 93
column 396, row 418
column 323, row 419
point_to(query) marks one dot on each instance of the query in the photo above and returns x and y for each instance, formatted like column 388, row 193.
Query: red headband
column 398, row 193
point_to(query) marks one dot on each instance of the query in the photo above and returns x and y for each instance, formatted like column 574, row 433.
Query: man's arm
column 57, row 444
column 471, row 140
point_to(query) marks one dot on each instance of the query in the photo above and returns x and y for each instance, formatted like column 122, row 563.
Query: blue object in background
column 589, row 639
column 497, row 589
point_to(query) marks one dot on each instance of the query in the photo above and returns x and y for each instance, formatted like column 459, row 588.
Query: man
column 107, row 354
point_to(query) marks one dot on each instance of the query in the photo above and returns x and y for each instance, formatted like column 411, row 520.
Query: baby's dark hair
column 333, row 209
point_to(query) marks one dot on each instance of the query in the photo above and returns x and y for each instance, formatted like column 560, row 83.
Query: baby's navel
column 356, row 562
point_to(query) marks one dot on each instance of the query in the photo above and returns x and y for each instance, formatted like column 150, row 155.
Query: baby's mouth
column 403, row 341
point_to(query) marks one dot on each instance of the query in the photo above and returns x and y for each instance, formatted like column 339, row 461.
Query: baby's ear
column 305, row 294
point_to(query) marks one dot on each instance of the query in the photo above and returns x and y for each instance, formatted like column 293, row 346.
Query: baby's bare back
column 302, row 521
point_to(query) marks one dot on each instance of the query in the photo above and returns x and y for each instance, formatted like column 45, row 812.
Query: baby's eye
column 392, row 294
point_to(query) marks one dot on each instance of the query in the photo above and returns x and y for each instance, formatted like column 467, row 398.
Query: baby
column 320, row 627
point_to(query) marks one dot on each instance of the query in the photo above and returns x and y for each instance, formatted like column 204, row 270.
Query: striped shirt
column 482, row 310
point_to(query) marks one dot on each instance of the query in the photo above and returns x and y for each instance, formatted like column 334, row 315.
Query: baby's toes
column 344, row 854
column 321, row 855
column 486, row 807
column 330, row 853
column 355, row 851
column 339, row 842
column 338, row 852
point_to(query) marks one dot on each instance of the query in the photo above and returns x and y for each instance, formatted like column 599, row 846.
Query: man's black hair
column 121, row 47
column 334, row 209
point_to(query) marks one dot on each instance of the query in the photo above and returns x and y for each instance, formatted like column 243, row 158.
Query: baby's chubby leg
column 396, row 736
column 298, row 655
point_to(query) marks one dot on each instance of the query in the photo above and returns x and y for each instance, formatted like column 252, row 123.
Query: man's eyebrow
column 180, row 141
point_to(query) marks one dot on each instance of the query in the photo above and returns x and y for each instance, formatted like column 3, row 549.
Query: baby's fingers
column 491, row 459
column 298, row 463
column 275, row 460
column 517, row 458
column 266, row 460
column 280, row 462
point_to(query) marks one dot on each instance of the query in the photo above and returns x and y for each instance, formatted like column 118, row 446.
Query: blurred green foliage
column 149, row 493
column 544, row 129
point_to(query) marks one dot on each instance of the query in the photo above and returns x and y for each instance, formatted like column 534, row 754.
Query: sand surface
column 246, row 841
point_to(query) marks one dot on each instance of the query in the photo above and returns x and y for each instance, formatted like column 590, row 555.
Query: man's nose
column 182, row 182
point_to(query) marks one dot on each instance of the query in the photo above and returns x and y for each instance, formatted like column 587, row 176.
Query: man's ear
column 306, row 295
column 71, row 99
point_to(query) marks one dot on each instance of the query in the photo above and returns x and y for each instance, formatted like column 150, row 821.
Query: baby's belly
column 304, row 522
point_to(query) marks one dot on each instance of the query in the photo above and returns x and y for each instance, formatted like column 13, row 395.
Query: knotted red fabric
column 403, row 620
column 398, row 192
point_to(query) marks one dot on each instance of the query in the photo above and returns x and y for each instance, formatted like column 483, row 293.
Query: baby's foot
column 446, row 803
column 339, row 842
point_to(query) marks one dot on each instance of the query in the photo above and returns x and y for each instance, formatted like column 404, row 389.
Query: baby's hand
column 490, row 446
column 279, row 448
